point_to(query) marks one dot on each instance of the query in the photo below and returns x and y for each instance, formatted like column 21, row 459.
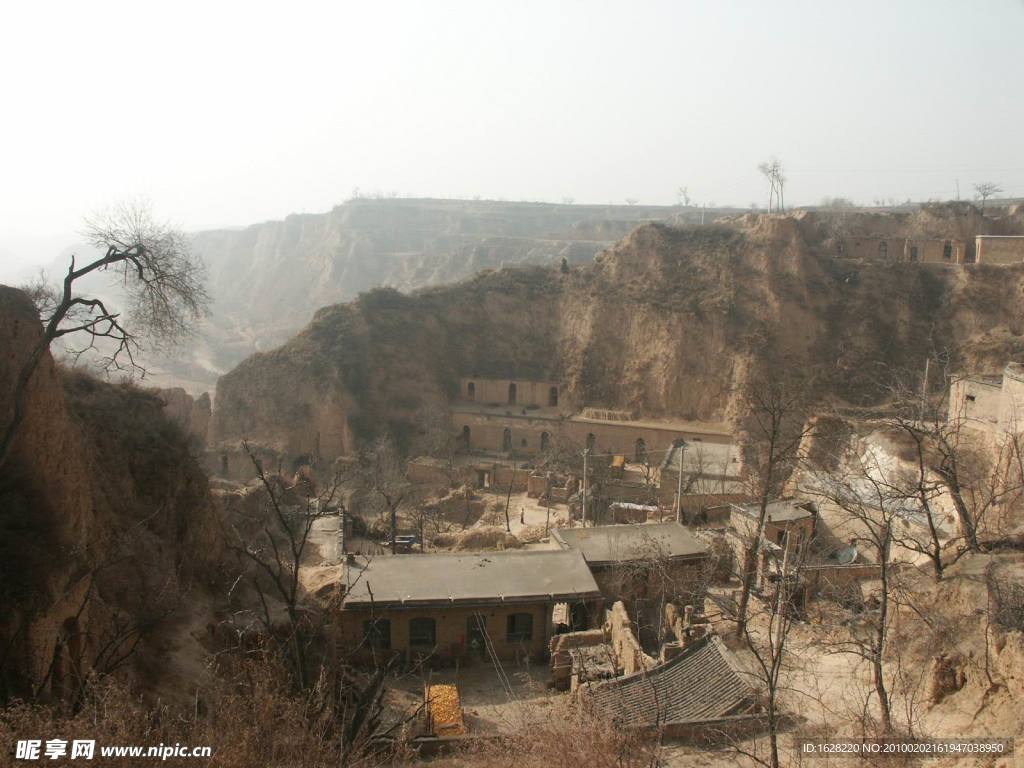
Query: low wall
column 503, row 475
column 718, row 730
column 834, row 580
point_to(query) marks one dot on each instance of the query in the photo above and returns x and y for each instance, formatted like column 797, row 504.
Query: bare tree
column 872, row 505
column 383, row 479
column 767, row 639
column 275, row 541
column 977, row 480
column 986, row 189
column 163, row 288
column 683, row 194
column 772, row 171
column 775, row 426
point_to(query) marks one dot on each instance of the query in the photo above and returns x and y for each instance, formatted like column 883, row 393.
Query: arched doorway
column 512, row 393
column 506, row 440
column 466, row 437
column 591, row 441
column 545, row 441
column 641, row 450
column 553, row 396
column 471, row 391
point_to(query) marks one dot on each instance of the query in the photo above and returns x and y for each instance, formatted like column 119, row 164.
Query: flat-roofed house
column 640, row 562
column 788, row 528
column 458, row 605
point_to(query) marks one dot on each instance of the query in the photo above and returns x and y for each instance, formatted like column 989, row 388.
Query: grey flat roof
column 489, row 577
column 780, row 510
column 607, row 544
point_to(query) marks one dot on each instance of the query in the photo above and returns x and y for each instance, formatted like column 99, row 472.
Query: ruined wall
column 1000, row 250
column 621, row 633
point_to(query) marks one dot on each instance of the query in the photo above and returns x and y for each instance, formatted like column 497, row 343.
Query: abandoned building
column 911, row 249
column 528, row 418
column 449, row 606
column 999, row 249
column 635, row 563
column 989, row 404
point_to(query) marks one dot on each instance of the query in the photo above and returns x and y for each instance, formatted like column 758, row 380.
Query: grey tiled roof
column 700, row 684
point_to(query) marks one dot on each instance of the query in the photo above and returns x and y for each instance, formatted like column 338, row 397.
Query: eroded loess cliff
column 669, row 321
column 105, row 522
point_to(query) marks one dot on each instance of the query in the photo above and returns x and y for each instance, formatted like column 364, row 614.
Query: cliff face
column 667, row 321
column 105, row 517
column 268, row 279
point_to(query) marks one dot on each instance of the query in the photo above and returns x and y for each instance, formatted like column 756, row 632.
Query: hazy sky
column 231, row 113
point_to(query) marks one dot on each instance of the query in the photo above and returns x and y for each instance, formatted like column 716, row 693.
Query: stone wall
column 999, row 250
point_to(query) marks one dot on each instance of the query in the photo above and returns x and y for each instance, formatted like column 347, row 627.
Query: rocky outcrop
column 191, row 414
column 105, row 518
column 666, row 322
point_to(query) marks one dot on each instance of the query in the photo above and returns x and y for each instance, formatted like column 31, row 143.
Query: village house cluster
column 645, row 524
column 982, row 249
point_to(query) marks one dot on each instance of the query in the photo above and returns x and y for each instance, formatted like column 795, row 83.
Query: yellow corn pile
column 445, row 710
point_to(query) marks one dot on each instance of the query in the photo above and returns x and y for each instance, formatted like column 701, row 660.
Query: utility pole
column 681, row 447
column 782, row 596
column 703, row 210
column 958, row 189
column 583, row 497
column 508, row 498
column 924, row 388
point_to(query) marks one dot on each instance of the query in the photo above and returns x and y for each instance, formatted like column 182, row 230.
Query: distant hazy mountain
column 268, row 279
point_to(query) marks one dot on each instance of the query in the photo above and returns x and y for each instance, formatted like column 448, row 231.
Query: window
column 947, row 250
column 545, row 441
column 591, row 441
column 883, row 249
column 506, row 440
column 512, row 393
column 520, row 627
column 422, row 633
column 522, row 443
column 377, row 634
column 471, row 390
column 466, row 436
column 913, row 253
column 971, row 398
column 553, row 396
